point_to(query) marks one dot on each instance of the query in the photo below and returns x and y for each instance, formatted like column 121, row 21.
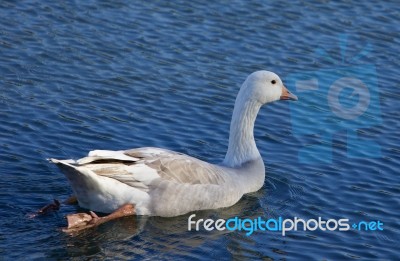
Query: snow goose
column 160, row 182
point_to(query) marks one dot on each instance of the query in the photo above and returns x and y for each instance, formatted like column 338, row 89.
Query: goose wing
column 140, row 167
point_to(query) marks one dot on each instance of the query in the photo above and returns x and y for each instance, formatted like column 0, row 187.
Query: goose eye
column 273, row 81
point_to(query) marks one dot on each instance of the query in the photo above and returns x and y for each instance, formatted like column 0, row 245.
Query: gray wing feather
column 169, row 165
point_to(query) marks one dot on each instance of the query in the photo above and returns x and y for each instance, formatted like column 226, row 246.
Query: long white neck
column 242, row 146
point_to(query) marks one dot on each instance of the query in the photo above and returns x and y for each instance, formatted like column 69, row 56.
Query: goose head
column 266, row 87
column 258, row 89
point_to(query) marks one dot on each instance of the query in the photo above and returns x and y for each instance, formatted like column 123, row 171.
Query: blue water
column 123, row 74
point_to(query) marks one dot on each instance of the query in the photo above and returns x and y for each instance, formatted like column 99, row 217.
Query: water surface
column 111, row 75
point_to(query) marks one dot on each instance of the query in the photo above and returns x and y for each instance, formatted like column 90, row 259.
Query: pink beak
column 286, row 95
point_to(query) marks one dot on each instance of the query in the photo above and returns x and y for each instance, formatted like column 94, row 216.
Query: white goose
column 160, row 182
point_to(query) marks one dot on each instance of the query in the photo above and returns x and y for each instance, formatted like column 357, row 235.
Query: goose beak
column 286, row 95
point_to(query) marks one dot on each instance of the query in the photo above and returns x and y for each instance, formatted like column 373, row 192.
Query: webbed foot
column 80, row 221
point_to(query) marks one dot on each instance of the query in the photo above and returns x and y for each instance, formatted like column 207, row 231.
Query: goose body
column 160, row 182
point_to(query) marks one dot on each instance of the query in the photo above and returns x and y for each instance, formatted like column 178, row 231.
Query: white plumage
column 166, row 183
